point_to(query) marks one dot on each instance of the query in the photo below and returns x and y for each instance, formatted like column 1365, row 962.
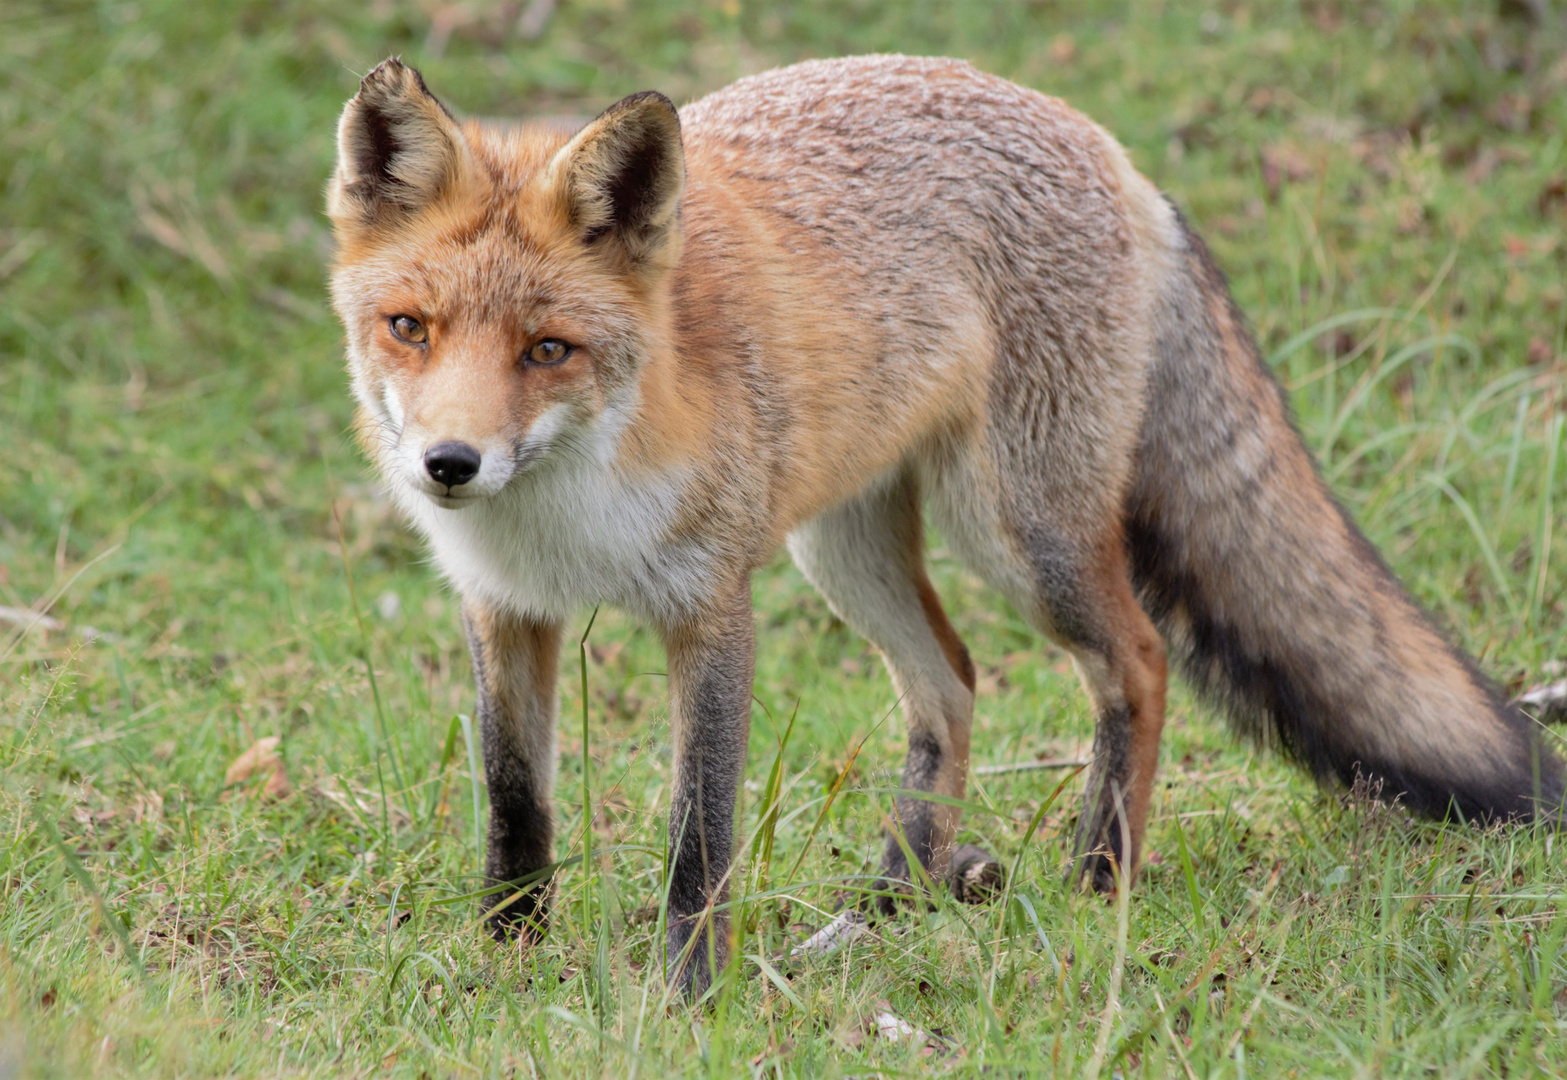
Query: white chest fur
column 569, row 532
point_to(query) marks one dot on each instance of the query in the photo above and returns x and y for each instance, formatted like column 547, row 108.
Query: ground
column 1385, row 183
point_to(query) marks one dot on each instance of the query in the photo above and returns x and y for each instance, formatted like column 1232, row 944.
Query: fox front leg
column 514, row 664
column 711, row 665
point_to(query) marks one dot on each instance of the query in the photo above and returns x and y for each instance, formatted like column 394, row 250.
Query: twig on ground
column 1029, row 766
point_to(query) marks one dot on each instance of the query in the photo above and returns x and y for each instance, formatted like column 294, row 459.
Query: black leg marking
column 711, row 673
column 916, row 817
column 520, row 842
column 521, row 827
column 1098, row 841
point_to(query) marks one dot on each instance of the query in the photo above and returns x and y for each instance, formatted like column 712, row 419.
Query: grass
column 1386, row 184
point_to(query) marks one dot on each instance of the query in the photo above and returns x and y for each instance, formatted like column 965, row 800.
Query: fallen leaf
column 262, row 759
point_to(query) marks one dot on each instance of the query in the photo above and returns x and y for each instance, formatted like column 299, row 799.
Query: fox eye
column 409, row 329
column 550, row 351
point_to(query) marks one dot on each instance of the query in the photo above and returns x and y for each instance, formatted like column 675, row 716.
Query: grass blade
column 1514, row 448
column 589, row 876
column 767, row 827
column 1333, row 322
column 1487, row 550
column 1371, row 381
column 394, row 749
column 448, row 751
column 84, row 878
column 1189, row 873
column 473, row 783
column 1542, row 535
column 835, row 788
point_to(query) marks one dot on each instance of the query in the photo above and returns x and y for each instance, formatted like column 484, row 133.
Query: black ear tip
column 647, row 102
column 392, row 79
column 391, row 75
column 387, row 71
column 648, row 97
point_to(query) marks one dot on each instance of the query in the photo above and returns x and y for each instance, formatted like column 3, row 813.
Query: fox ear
column 397, row 148
column 622, row 176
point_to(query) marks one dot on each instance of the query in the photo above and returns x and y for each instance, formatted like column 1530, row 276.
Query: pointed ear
column 397, row 148
column 622, row 176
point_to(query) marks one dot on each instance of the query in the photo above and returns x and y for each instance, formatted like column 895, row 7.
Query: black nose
column 451, row 463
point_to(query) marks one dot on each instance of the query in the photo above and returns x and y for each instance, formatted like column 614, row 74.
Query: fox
column 626, row 365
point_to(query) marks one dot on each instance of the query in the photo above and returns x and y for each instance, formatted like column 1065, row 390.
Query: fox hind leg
column 866, row 558
column 1087, row 605
column 1035, row 507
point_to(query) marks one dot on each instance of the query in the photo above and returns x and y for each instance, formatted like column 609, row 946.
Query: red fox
column 624, row 366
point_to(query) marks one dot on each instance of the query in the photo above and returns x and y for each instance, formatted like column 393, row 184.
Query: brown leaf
column 262, row 759
column 1284, row 162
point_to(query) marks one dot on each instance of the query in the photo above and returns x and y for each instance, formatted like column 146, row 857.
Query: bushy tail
column 1278, row 608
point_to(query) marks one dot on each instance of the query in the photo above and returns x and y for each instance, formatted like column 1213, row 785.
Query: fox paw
column 696, row 952
column 1096, row 871
column 523, row 920
column 976, row 876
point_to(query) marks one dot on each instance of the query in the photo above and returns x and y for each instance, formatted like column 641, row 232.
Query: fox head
column 502, row 291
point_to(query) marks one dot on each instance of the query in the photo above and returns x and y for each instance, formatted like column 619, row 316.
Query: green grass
column 1383, row 181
